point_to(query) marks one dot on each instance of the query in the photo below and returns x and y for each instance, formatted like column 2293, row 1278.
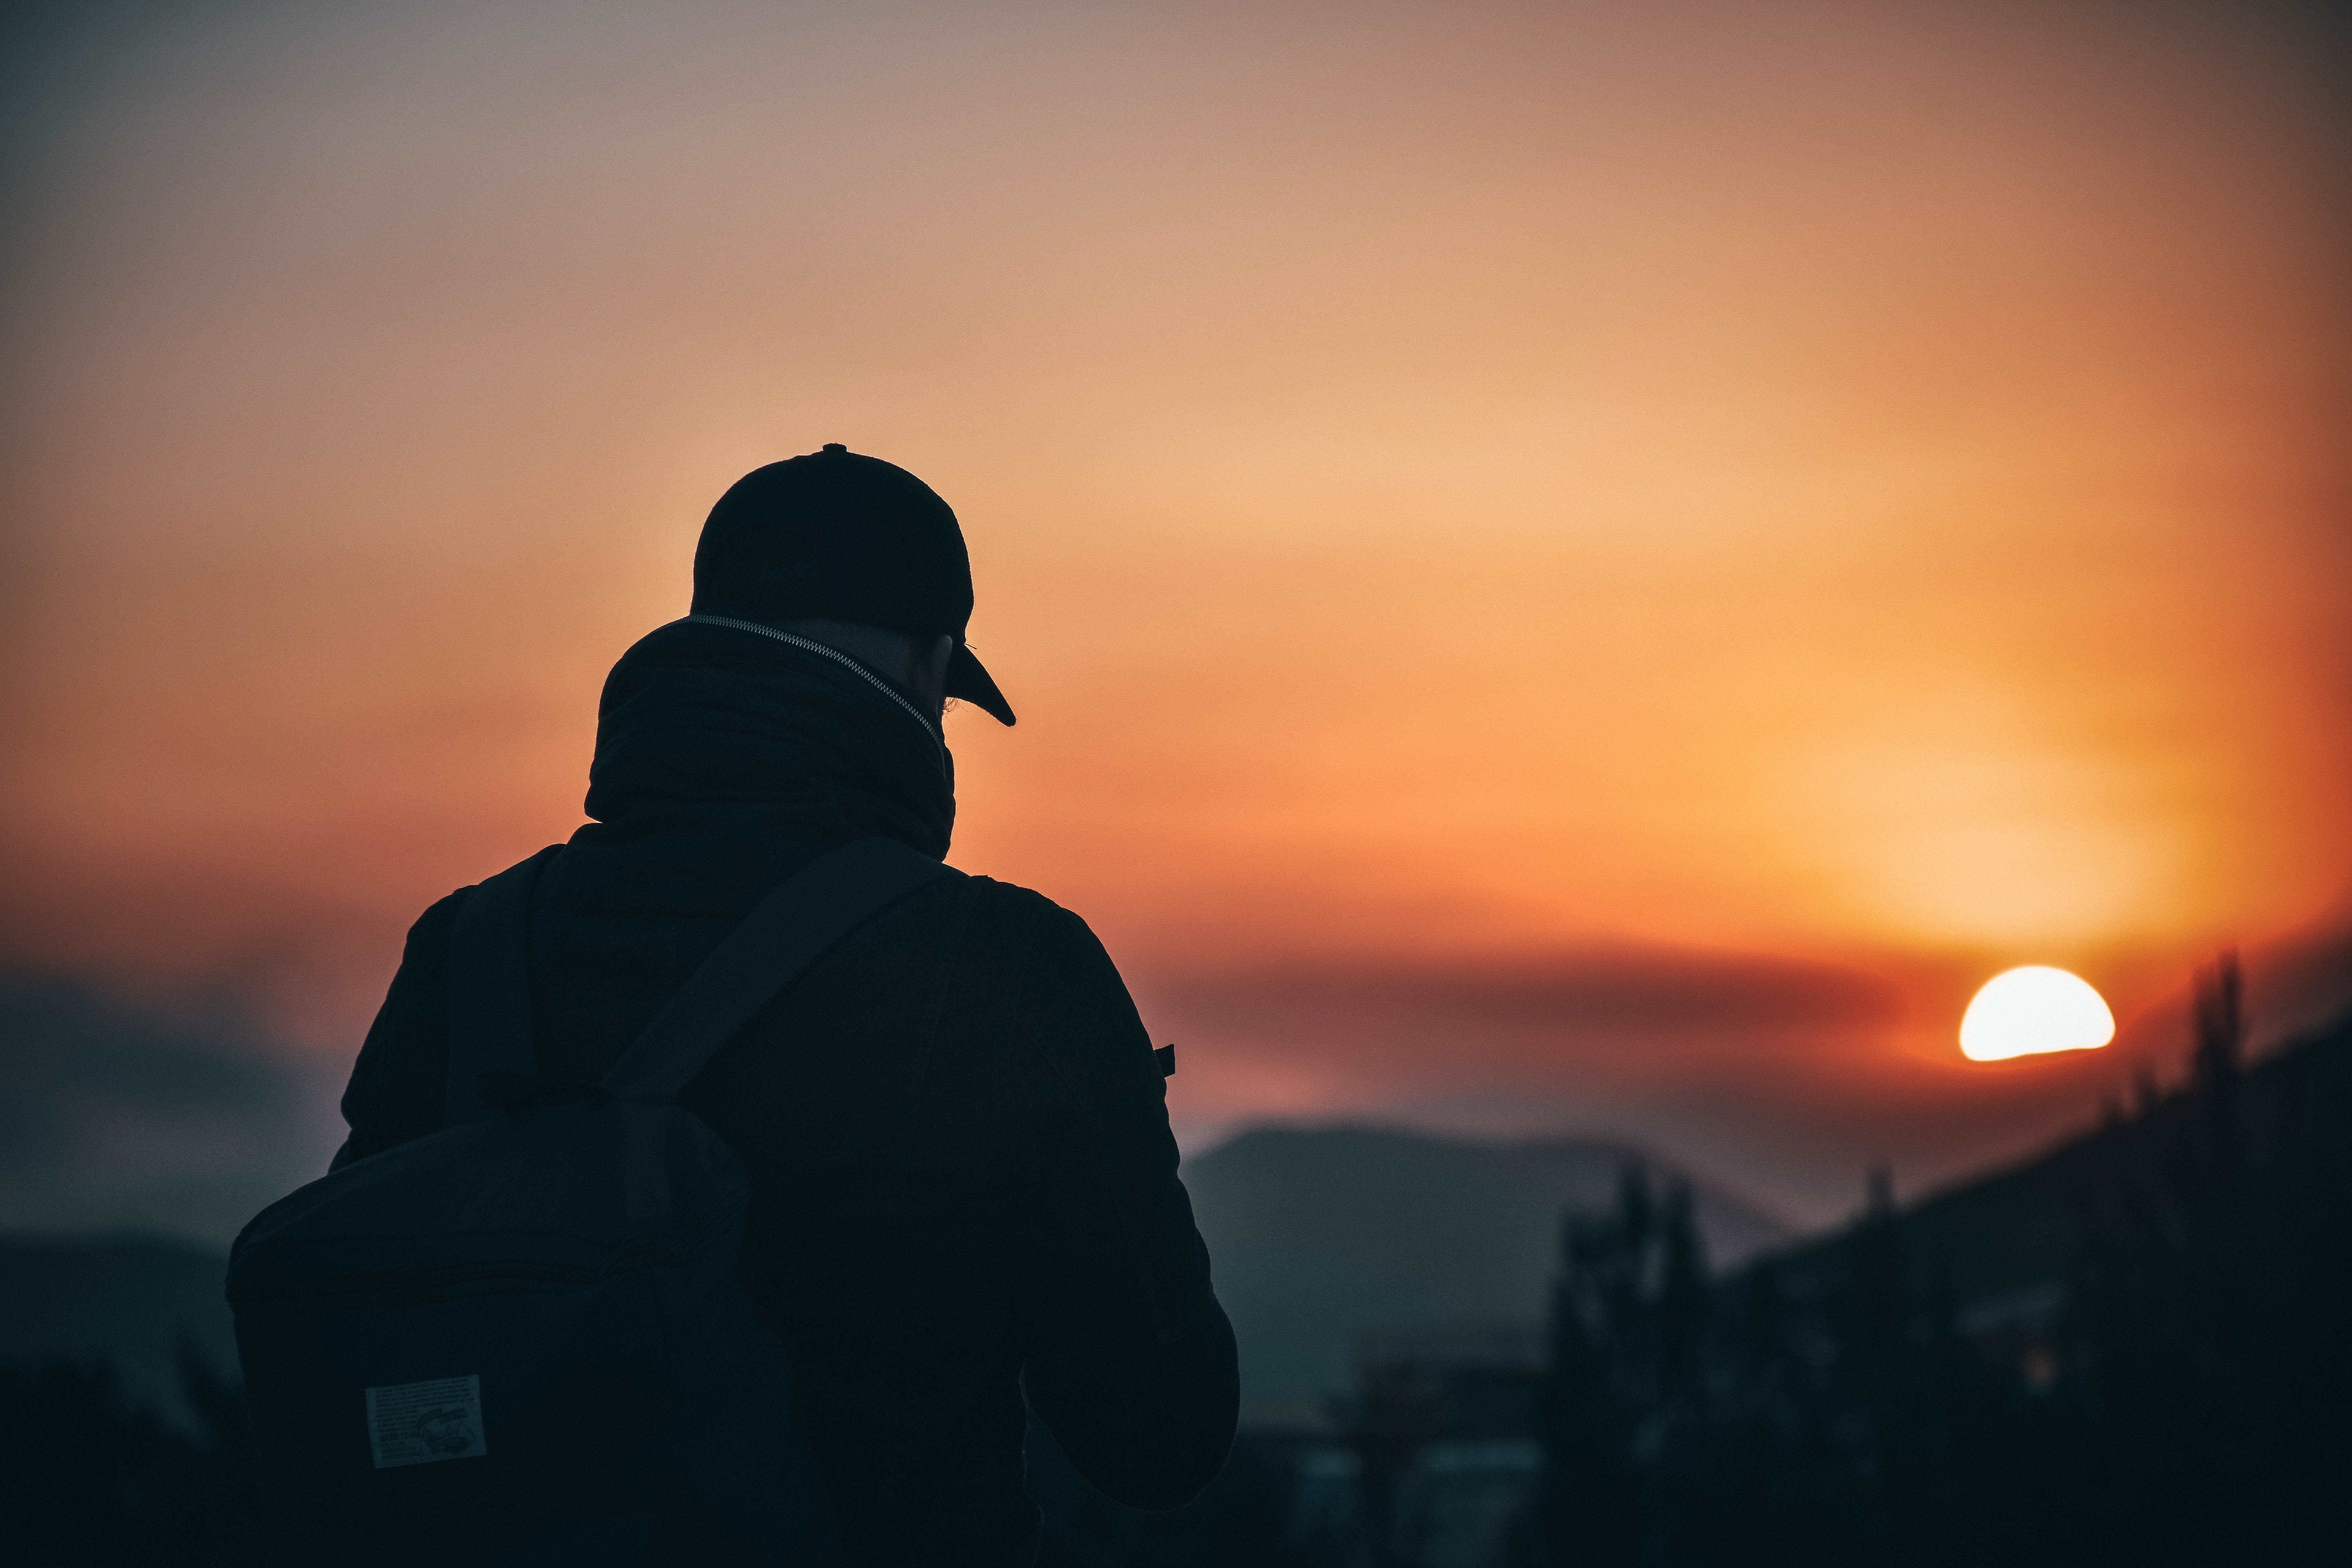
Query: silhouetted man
column 962, row 1182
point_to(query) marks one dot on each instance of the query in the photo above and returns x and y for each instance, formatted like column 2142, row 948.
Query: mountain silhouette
column 131, row 1305
column 1319, row 1235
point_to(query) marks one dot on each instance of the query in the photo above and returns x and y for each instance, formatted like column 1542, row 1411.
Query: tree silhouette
column 85, row 1483
column 2180, row 1400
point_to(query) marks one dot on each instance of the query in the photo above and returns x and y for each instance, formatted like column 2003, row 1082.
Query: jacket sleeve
column 1127, row 1356
column 399, row 1081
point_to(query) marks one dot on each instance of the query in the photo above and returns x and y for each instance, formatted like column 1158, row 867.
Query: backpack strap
column 490, row 988
column 773, row 945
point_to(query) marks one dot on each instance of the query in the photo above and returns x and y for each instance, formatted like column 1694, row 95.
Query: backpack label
column 417, row 1422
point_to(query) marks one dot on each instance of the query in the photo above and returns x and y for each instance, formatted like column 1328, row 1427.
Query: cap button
column 834, row 446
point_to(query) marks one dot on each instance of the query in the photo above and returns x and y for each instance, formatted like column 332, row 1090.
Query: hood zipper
column 839, row 658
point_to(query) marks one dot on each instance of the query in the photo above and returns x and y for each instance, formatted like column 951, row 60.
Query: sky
column 1564, row 568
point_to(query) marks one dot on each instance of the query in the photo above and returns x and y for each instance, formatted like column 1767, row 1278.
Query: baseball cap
column 844, row 537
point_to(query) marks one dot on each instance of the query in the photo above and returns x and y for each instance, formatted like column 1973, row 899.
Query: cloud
column 117, row 1116
column 1786, row 1078
column 1591, row 1017
column 1646, row 989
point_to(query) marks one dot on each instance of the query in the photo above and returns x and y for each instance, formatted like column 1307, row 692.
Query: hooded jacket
column 962, row 1182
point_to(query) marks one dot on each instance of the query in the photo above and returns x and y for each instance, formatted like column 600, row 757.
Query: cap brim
column 968, row 679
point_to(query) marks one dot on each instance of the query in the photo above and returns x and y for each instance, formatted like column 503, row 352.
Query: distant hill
column 126, row 1302
column 2008, row 1237
column 117, row 1116
column 1319, row 1234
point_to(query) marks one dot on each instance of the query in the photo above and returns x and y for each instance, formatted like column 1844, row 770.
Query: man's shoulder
column 440, row 916
column 1024, row 931
column 1025, row 908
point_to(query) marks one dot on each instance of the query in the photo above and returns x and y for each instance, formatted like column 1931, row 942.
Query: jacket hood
column 725, row 760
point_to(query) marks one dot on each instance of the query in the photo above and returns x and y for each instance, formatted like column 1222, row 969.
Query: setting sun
column 2025, row 1012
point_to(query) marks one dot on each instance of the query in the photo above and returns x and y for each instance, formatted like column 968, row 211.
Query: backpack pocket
column 479, row 1383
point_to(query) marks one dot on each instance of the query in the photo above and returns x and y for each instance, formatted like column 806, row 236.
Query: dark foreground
column 2132, row 1351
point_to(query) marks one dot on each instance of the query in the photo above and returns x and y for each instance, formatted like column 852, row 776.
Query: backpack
column 525, row 1338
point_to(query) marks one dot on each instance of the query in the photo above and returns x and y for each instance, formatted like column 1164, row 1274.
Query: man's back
column 962, row 1180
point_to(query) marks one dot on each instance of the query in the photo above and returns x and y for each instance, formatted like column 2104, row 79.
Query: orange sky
column 1560, row 567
